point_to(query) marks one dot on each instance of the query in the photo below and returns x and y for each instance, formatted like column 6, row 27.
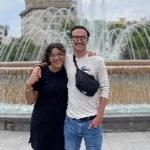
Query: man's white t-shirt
column 80, row 105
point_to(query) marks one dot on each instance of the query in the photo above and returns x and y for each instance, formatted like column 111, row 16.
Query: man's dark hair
column 79, row 27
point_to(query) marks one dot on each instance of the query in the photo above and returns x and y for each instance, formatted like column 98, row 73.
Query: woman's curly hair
column 48, row 51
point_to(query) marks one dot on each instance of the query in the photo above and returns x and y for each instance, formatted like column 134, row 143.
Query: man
column 84, row 114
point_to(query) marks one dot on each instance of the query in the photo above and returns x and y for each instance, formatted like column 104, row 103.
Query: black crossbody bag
column 85, row 82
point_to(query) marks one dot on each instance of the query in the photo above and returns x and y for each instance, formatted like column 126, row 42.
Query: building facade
column 43, row 19
column 4, row 39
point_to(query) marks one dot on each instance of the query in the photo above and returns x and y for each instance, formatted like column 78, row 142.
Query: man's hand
column 95, row 122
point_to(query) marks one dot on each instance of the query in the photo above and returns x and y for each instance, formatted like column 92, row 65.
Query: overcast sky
column 130, row 9
column 10, row 10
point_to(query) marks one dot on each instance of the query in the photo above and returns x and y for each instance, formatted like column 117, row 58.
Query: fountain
column 103, row 41
column 109, row 40
column 127, row 96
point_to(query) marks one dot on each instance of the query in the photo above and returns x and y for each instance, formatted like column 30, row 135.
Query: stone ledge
column 111, row 122
column 15, row 122
column 127, row 122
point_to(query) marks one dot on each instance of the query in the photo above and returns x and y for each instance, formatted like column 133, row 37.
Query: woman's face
column 57, row 58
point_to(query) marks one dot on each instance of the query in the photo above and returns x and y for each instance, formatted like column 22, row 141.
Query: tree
column 137, row 44
column 19, row 50
column 66, row 26
column 140, row 44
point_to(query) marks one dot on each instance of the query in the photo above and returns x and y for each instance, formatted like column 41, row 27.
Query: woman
column 49, row 93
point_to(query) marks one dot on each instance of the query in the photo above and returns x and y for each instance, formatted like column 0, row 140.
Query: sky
column 130, row 9
column 10, row 10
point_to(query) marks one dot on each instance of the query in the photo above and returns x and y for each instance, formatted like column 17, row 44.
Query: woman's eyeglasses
column 57, row 55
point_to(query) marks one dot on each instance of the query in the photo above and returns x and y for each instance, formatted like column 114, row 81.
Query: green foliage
column 114, row 26
column 137, row 45
column 66, row 26
column 140, row 44
column 18, row 50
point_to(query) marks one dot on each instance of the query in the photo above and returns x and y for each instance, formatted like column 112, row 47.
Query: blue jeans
column 75, row 130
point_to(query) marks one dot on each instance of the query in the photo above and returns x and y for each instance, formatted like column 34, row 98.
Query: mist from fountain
column 98, row 23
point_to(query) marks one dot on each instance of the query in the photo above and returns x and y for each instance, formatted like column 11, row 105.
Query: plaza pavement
column 18, row 140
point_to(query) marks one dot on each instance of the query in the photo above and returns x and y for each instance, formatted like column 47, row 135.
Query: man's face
column 79, row 40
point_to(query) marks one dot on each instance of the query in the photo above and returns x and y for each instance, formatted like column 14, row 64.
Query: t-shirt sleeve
column 103, row 78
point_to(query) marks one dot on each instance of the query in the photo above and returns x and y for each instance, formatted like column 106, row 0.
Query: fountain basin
column 111, row 122
column 122, row 113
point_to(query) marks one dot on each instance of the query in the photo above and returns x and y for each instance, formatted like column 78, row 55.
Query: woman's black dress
column 47, row 121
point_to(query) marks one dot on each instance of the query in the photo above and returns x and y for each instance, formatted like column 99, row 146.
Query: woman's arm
column 31, row 95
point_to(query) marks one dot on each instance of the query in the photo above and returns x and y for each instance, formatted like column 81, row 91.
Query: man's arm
column 104, row 93
column 37, row 67
column 101, row 109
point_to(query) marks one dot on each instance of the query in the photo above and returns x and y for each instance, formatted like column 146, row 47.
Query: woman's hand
column 35, row 75
column 90, row 53
column 37, row 68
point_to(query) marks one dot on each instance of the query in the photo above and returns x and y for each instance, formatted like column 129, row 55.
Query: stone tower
column 43, row 4
column 43, row 16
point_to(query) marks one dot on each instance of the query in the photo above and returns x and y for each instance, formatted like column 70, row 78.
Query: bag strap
column 74, row 60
